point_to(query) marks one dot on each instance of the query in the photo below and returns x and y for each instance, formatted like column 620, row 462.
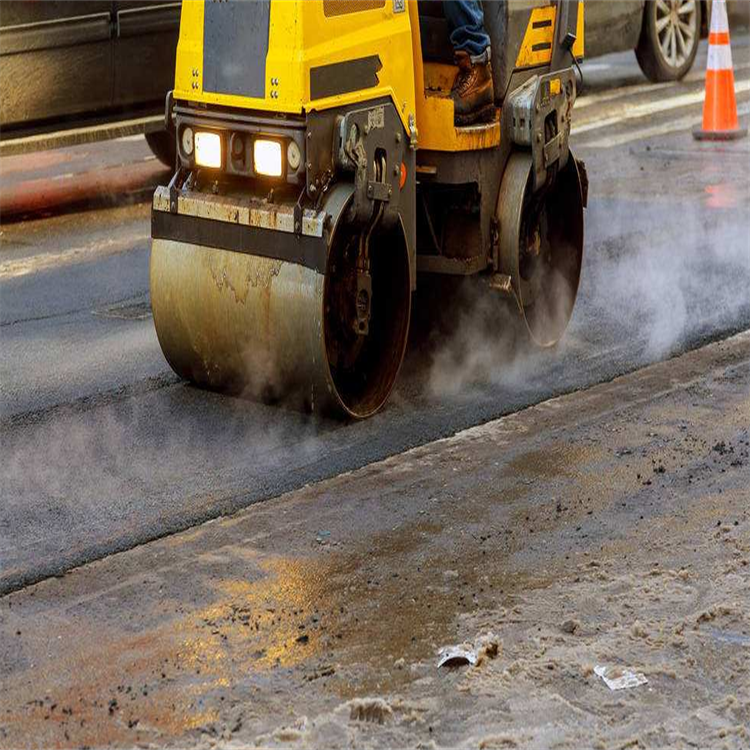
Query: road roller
column 320, row 175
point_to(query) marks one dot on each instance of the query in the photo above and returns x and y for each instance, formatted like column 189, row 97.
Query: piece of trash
column 485, row 646
column 457, row 656
column 619, row 678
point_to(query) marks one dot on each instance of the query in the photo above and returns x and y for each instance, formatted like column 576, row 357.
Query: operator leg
column 473, row 93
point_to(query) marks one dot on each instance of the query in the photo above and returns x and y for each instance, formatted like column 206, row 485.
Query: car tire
column 669, row 41
column 162, row 144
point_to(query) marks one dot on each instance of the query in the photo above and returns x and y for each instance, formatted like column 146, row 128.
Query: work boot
column 473, row 93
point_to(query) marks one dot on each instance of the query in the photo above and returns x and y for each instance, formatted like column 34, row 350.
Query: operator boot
column 473, row 93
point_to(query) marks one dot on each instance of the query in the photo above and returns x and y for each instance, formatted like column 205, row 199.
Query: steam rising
column 684, row 273
column 656, row 275
column 167, row 459
column 484, row 345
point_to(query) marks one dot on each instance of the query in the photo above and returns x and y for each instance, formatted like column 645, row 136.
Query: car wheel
column 670, row 36
column 162, row 144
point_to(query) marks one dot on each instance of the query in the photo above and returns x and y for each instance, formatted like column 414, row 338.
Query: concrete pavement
column 609, row 527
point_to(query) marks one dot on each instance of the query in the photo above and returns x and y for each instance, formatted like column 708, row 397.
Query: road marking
column 130, row 138
column 12, row 269
column 643, row 88
column 674, row 126
column 140, row 310
column 637, row 111
column 593, row 67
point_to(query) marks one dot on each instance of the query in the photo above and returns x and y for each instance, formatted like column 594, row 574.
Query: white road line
column 637, row 111
column 130, row 138
column 12, row 269
column 588, row 100
column 674, row 126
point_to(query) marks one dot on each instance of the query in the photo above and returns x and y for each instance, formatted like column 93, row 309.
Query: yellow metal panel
column 536, row 49
column 439, row 76
column 302, row 37
column 378, row 32
column 283, row 61
column 579, row 47
column 438, row 133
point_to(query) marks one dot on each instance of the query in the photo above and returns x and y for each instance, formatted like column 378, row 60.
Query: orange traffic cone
column 720, row 121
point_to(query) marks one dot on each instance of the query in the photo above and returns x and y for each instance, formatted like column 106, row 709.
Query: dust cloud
column 483, row 345
column 682, row 275
column 164, row 461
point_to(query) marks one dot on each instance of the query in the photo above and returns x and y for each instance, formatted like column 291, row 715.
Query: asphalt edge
column 612, row 396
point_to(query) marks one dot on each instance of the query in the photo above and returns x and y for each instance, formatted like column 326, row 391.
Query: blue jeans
column 467, row 23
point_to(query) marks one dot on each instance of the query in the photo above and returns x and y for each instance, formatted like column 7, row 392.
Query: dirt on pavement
column 606, row 528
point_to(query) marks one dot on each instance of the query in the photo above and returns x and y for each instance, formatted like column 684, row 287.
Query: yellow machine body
column 305, row 35
column 538, row 39
column 296, row 279
column 434, row 107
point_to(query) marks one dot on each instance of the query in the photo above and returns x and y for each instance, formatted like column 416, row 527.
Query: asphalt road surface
column 104, row 448
column 605, row 531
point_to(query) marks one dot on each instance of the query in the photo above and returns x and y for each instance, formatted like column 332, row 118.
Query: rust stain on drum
column 262, row 272
column 217, row 267
column 259, row 273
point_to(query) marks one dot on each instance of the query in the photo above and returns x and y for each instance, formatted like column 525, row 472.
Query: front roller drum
column 275, row 330
column 541, row 245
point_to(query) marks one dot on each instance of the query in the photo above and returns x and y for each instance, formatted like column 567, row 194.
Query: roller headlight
column 187, row 141
column 208, row 150
column 267, row 158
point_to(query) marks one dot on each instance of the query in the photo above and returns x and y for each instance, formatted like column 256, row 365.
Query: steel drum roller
column 274, row 329
column 541, row 245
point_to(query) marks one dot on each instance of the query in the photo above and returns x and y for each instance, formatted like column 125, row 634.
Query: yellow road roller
column 320, row 174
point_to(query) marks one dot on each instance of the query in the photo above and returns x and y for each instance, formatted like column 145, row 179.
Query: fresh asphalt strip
column 234, row 502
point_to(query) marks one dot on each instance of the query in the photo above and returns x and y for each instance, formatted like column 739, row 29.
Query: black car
column 69, row 64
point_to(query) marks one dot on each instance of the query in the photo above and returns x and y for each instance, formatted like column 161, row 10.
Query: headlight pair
column 267, row 153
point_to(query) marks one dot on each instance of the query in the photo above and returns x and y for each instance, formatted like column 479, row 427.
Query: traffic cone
column 720, row 121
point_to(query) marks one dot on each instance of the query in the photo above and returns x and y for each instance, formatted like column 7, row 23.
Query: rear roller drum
column 365, row 330
column 541, row 245
column 273, row 329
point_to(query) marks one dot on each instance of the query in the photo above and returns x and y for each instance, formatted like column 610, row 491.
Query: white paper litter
column 455, row 656
column 619, row 678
